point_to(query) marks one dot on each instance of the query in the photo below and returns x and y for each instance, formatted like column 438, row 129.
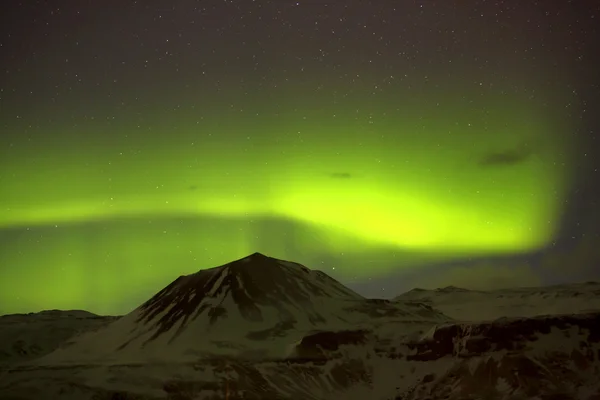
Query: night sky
column 392, row 144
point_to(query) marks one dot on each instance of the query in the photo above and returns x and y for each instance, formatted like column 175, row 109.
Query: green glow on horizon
column 403, row 183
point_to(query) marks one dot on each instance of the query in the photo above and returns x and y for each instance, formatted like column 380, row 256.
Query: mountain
column 27, row 336
column 261, row 328
column 464, row 304
column 257, row 306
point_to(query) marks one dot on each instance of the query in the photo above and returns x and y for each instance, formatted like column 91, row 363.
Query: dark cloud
column 341, row 175
column 506, row 158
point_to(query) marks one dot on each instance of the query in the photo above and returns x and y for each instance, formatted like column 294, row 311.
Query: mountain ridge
column 263, row 328
column 253, row 305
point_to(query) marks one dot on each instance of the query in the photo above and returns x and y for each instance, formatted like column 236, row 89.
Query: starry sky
column 391, row 144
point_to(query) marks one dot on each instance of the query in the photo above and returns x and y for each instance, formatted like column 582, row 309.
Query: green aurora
column 164, row 203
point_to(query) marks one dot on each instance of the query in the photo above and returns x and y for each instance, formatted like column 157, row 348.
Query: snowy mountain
column 477, row 305
column 262, row 328
column 257, row 306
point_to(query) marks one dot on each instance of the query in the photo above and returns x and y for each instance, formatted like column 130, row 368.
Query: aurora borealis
column 155, row 142
column 398, row 189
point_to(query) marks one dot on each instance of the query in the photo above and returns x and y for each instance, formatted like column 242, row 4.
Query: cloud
column 506, row 158
column 341, row 175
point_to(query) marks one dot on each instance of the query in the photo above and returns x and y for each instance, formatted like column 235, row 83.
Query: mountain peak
column 254, row 258
column 258, row 255
column 249, row 289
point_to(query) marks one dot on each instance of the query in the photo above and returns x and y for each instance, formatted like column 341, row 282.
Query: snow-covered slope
column 476, row 305
column 28, row 336
column 545, row 357
column 257, row 306
column 549, row 357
